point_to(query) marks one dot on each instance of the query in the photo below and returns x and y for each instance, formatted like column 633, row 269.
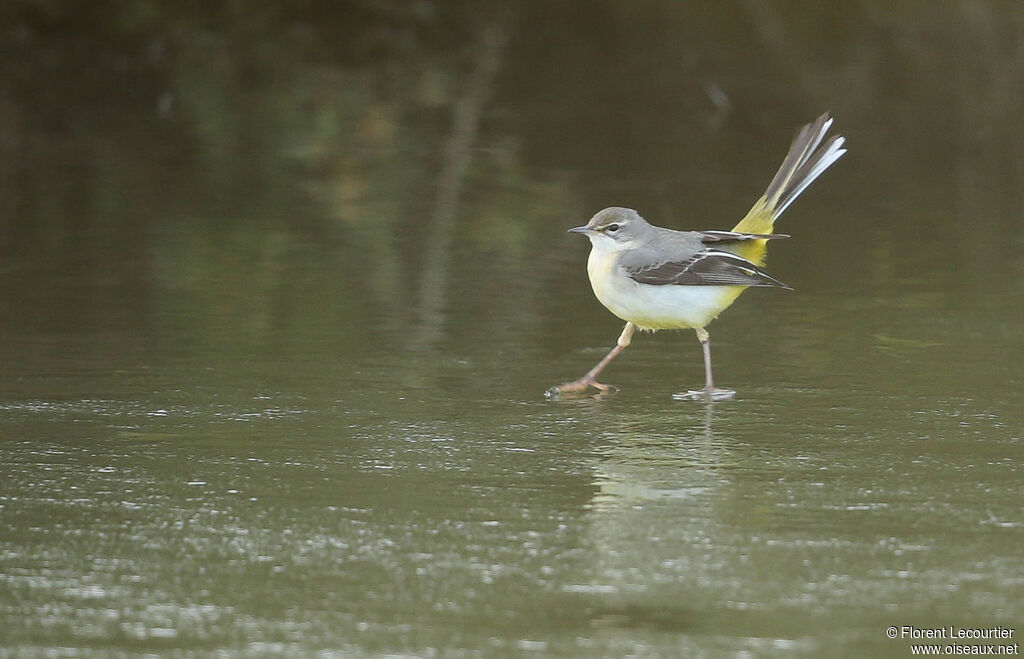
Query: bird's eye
column 612, row 228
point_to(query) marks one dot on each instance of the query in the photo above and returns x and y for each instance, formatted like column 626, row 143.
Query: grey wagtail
column 655, row 278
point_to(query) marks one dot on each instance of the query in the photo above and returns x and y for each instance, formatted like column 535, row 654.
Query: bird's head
column 614, row 228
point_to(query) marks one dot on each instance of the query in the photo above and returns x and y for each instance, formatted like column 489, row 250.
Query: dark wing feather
column 709, row 267
column 732, row 236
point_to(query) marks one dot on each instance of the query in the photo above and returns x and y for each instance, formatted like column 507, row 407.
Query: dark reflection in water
column 283, row 287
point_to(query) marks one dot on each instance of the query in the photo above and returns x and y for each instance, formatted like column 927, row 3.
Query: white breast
column 655, row 307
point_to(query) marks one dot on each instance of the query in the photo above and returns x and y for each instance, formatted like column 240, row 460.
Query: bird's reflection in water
column 647, row 462
column 655, row 520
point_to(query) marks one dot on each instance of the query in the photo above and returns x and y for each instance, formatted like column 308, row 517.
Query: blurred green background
column 166, row 155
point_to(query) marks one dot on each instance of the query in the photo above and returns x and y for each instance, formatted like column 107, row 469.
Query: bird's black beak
column 583, row 229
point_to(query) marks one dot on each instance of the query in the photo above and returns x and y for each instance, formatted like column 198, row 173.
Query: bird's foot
column 578, row 388
column 706, row 394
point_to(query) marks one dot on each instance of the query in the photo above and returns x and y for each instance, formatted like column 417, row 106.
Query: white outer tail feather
column 835, row 152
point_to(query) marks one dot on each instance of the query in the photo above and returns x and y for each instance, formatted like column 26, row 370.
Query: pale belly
column 658, row 307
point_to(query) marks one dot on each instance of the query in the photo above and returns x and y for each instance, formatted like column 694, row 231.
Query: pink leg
column 710, row 391
column 590, row 379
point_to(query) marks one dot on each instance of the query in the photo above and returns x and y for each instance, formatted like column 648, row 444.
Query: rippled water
column 377, row 516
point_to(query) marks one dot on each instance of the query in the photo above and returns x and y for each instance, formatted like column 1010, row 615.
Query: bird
column 656, row 278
